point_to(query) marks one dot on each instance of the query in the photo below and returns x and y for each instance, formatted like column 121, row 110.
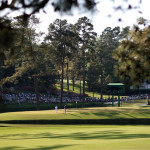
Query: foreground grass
column 83, row 137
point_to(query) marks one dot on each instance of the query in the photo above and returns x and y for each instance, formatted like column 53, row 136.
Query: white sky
column 100, row 19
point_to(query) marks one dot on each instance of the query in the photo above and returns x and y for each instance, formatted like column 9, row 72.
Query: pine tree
column 87, row 36
column 133, row 54
column 60, row 46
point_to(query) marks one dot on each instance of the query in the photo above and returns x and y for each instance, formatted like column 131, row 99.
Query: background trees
column 61, row 46
column 28, row 59
column 75, row 52
column 102, row 65
column 102, row 60
column 86, row 43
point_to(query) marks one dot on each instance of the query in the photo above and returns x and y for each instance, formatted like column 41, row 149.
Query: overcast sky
column 100, row 18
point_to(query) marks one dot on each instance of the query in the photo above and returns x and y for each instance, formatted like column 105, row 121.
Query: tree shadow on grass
column 75, row 115
column 11, row 148
column 123, row 114
column 113, row 134
column 37, row 148
column 107, row 115
column 3, row 126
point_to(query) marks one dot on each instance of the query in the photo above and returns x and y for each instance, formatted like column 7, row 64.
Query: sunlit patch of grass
column 80, row 113
column 77, row 89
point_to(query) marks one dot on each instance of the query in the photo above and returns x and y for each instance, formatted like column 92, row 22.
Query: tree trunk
column 101, row 84
column 93, row 93
column 67, row 78
column 36, row 93
column 62, row 78
column 83, row 97
column 73, row 84
column 80, row 90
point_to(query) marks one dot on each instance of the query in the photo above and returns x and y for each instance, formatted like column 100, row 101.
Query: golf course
column 42, row 130
column 72, row 137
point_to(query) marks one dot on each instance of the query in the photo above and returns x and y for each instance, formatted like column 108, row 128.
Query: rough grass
column 83, row 137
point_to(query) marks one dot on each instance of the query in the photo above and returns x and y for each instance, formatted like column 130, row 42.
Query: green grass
column 134, row 103
column 73, row 137
column 77, row 89
column 127, row 110
column 77, row 137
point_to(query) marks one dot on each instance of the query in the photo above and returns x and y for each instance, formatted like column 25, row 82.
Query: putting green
column 73, row 137
column 80, row 113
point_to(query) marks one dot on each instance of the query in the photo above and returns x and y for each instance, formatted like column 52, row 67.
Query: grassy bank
column 131, row 112
column 84, row 113
column 77, row 89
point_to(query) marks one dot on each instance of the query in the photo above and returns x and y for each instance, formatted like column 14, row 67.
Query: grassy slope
column 85, row 137
column 130, row 110
column 77, row 89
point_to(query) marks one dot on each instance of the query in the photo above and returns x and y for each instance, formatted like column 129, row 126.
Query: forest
column 71, row 52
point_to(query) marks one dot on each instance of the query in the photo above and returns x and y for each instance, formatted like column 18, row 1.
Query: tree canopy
column 133, row 54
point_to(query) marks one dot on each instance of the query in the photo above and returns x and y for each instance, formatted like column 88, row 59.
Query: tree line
column 68, row 51
column 71, row 51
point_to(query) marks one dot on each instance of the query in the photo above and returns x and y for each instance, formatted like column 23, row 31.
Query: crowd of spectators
column 30, row 98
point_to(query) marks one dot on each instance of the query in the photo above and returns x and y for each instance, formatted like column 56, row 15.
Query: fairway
column 76, row 137
column 73, row 137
